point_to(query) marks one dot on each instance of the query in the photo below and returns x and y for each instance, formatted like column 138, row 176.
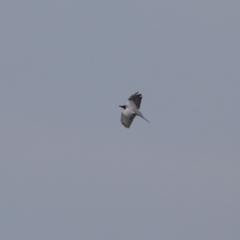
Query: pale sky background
column 69, row 170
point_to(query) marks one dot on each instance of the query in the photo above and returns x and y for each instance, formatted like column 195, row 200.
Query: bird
column 131, row 110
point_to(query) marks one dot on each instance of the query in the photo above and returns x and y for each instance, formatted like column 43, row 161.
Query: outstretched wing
column 136, row 98
column 127, row 120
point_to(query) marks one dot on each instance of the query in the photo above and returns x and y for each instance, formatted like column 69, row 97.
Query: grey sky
column 70, row 170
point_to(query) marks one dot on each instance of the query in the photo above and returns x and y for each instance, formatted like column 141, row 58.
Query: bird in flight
column 131, row 109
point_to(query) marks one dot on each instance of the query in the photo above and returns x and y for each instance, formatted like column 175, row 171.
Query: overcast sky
column 70, row 170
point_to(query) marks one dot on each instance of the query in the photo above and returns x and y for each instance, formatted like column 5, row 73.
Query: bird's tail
column 140, row 114
column 145, row 118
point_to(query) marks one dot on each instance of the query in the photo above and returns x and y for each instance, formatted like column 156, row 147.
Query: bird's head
column 123, row 106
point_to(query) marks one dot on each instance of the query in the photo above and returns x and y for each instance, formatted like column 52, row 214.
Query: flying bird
column 131, row 109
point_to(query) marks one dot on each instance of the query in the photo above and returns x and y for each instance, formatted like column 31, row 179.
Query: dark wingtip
column 137, row 94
